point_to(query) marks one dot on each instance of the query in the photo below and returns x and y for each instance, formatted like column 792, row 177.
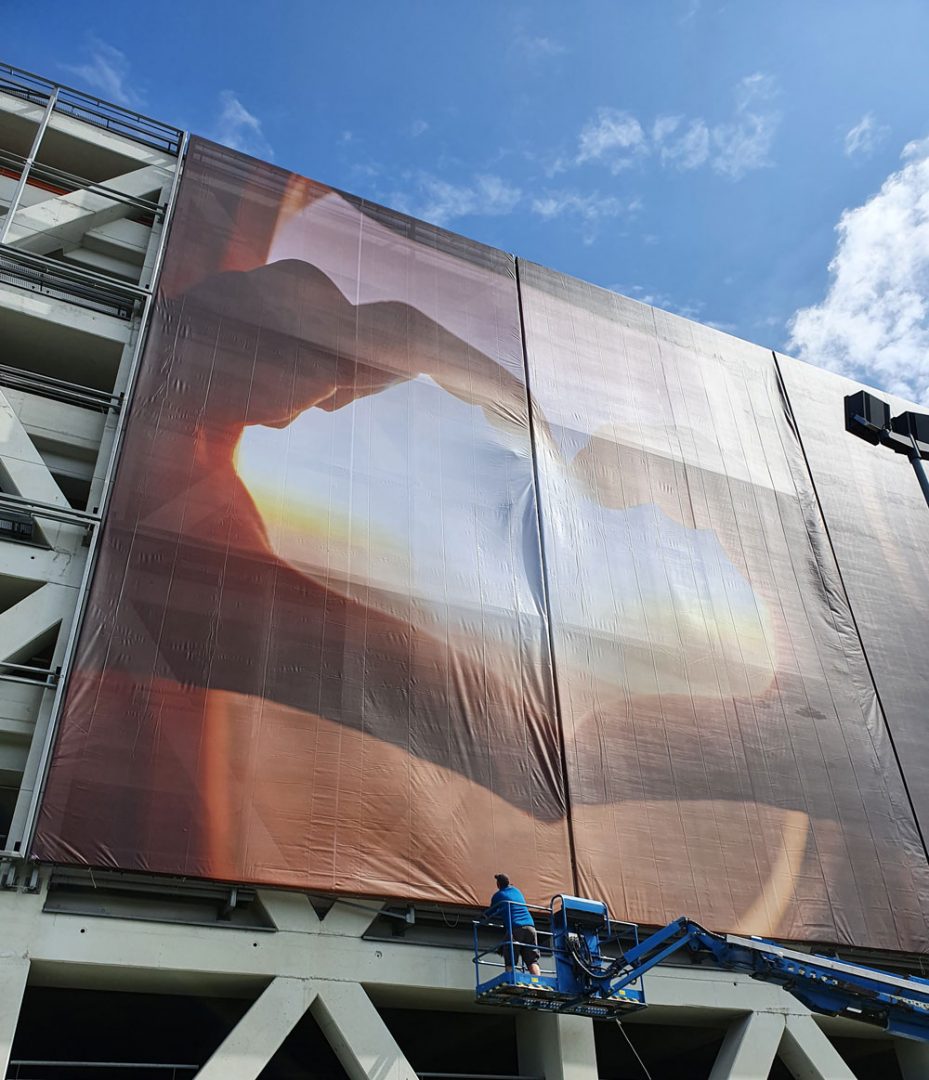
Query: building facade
column 175, row 955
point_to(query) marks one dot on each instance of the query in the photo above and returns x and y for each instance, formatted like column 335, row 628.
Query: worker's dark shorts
column 527, row 949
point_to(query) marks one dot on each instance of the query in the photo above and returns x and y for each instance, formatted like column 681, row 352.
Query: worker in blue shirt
column 508, row 905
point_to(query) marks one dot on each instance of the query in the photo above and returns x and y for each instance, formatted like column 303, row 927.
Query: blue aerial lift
column 587, row 982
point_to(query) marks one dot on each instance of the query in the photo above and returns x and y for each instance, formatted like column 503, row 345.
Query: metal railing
column 51, row 511
column 475, row 1076
column 60, row 181
column 116, row 1070
column 27, row 673
column 45, row 277
column 32, row 382
column 92, row 110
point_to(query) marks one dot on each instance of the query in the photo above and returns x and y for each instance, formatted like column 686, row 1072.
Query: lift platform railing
column 501, row 980
column 506, row 949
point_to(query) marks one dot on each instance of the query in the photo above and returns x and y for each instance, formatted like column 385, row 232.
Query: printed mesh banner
column 315, row 651
column 726, row 753
column 878, row 524
column 366, row 621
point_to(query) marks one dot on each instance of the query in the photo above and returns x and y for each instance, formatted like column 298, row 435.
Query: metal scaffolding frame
column 92, row 110
column 97, row 292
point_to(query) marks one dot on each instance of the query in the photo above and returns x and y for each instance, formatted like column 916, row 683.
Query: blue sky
column 761, row 167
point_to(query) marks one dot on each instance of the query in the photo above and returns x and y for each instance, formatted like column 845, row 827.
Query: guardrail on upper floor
column 92, row 110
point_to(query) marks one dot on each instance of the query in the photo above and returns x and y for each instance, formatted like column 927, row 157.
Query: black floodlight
column 869, row 418
column 913, row 424
column 866, row 416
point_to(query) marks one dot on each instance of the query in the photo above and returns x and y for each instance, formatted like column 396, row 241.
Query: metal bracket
column 232, row 900
column 15, row 874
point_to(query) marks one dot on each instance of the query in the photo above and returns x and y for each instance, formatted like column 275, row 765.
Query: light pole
column 869, row 418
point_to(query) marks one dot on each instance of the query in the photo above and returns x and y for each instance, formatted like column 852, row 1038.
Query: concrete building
column 145, row 976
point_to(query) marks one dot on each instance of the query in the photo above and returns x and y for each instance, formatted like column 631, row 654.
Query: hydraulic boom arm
column 590, row 983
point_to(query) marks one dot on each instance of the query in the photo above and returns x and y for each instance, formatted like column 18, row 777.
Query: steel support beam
column 27, row 165
column 351, row 918
column 63, row 220
column 257, row 1037
column 355, row 1031
column 14, row 970
column 290, row 911
column 750, row 1047
column 556, row 1047
column 808, row 1054
column 913, row 1059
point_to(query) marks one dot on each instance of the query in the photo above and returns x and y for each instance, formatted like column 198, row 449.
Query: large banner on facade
column 315, row 651
column 726, row 753
column 400, row 588
column 878, row 524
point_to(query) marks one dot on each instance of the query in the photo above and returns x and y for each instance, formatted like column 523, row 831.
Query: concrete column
column 809, row 1055
column 355, row 1031
column 913, row 1059
column 556, row 1047
column 289, row 911
column 750, row 1047
column 14, row 970
column 256, row 1038
column 351, row 918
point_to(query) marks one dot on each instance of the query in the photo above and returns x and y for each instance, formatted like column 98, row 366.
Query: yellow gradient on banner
column 306, row 531
column 708, row 635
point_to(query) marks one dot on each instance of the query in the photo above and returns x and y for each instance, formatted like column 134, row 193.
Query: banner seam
column 546, row 596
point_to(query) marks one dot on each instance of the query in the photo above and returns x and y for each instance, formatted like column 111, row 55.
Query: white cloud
column 614, row 136
column 732, row 148
column 690, row 12
column 240, row 129
column 661, row 300
column 754, row 89
column 865, row 137
column 665, row 126
column 366, row 170
column 441, row 202
column 691, row 149
column 107, row 72
column 743, row 146
column 418, row 127
column 745, row 143
column 557, row 165
column 537, row 48
column 590, row 209
column 874, row 321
